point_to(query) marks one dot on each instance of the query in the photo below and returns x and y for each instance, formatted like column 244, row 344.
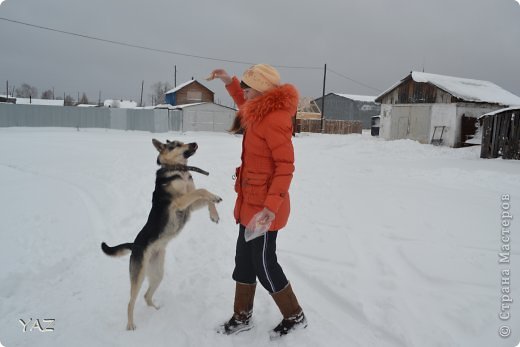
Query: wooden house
column 438, row 109
column 188, row 93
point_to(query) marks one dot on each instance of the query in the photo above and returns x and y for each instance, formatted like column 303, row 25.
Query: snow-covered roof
column 179, row 87
column 177, row 107
column 7, row 98
column 516, row 108
column 189, row 105
column 363, row 98
column 44, row 102
column 180, row 107
column 120, row 103
column 464, row 88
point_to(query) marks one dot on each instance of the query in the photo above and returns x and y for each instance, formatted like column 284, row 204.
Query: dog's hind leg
column 155, row 272
column 137, row 272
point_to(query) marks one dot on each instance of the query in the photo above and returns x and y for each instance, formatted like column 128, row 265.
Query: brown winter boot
column 293, row 316
column 242, row 310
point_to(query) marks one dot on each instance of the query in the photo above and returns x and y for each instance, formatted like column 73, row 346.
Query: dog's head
column 174, row 152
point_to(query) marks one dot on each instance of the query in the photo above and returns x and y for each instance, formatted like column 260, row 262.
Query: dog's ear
column 158, row 144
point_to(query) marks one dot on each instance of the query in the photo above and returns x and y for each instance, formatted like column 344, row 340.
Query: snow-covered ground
column 389, row 243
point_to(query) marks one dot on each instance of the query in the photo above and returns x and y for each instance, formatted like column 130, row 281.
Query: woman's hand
column 259, row 224
column 221, row 74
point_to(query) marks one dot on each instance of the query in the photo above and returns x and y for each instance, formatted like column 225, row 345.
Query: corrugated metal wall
column 207, row 117
column 77, row 117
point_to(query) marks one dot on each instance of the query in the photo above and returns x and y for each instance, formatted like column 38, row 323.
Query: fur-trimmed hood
column 284, row 98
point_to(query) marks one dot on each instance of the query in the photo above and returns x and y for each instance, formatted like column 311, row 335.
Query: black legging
column 257, row 258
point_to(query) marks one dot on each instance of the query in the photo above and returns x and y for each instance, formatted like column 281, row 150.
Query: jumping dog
column 173, row 200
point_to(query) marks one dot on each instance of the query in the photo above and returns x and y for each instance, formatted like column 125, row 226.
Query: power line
column 353, row 80
column 165, row 51
column 126, row 44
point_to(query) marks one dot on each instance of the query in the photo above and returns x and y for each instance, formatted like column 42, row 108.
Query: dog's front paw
column 130, row 326
column 215, row 198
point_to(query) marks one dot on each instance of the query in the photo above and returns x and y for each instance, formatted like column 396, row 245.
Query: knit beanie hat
column 261, row 77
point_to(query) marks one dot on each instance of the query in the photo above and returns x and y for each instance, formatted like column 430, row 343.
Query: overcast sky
column 374, row 42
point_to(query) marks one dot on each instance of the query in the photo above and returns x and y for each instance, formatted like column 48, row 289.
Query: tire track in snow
column 86, row 199
column 320, row 259
column 333, row 300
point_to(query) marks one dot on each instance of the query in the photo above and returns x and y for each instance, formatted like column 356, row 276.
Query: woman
column 266, row 108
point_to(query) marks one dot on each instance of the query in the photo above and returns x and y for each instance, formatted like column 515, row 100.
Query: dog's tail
column 118, row 250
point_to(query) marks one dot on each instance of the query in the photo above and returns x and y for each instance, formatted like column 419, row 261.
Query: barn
column 349, row 107
column 188, row 93
column 438, row 109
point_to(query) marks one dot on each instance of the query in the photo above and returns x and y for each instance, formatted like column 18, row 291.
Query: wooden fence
column 501, row 134
column 330, row 126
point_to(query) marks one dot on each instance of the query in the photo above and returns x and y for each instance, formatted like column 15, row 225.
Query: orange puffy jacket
column 264, row 177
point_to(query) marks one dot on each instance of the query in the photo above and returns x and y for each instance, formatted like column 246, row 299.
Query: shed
column 188, row 93
column 432, row 108
column 350, row 107
column 500, row 132
column 7, row 99
column 202, row 116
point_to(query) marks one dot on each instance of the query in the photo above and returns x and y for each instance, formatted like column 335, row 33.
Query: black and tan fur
column 174, row 198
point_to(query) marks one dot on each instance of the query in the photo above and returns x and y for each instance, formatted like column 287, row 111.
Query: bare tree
column 158, row 91
column 84, row 99
column 26, row 91
column 48, row 94
column 307, row 104
column 69, row 101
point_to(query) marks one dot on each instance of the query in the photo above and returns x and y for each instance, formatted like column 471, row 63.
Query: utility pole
column 175, row 78
column 99, row 100
column 142, row 87
column 323, row 99
column 7, row 90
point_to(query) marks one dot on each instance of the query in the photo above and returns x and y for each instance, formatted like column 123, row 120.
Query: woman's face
column 250, row 93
